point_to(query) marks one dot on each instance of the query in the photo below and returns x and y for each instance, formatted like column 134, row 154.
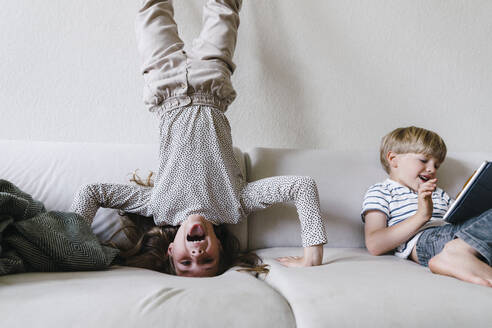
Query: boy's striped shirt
column 398, row 203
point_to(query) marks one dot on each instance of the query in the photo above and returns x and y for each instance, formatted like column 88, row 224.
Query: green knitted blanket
column 33, row 239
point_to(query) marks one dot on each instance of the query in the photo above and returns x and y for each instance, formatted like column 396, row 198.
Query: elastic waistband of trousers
column 194, row 99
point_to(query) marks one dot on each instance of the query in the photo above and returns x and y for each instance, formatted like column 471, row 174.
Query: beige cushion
column 129, row 297
column 342, row 177
column 53, row 171
column 356, row 289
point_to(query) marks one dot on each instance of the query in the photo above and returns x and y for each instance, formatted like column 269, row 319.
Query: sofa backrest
column 342, row 178
column 52, row 172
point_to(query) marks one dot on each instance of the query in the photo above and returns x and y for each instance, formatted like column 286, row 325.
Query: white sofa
column 351, row 289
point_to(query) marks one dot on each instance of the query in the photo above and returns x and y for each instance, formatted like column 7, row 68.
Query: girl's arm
column 381, row 239
column 304, row 193
column 90, row 197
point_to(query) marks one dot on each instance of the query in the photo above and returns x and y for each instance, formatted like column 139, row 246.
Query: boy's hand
column 313, row 255
column 425, row 198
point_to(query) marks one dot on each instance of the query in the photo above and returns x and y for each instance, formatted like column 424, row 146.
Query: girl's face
column 411, row 170
column 195, row 250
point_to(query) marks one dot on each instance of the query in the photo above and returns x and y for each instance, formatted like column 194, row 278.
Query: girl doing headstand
column 199, row 185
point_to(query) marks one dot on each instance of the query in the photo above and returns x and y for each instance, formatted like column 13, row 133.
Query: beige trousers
column 175, row 78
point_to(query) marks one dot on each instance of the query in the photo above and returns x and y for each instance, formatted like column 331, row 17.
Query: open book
column 475, row 198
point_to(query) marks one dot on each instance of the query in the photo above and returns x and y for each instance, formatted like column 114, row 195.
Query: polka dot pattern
column 302, row 191
column 198, row 173
column 177, row 196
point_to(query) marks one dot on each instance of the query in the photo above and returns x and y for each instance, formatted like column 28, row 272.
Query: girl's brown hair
column 150, row 244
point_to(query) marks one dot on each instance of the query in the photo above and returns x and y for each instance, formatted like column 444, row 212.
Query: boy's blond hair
column 412, row 140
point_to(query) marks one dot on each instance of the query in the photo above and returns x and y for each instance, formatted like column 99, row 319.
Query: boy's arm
column 381, row 239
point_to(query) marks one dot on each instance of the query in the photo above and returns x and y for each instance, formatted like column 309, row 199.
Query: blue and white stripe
column 398, row 203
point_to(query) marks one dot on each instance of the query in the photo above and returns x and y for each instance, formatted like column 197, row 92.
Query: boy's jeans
column 476, row 232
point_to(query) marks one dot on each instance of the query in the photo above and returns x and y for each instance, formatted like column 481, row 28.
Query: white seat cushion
column 356, row 289
column 129, row 297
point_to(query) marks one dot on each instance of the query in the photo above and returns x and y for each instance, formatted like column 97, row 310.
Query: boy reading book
column 404, row 213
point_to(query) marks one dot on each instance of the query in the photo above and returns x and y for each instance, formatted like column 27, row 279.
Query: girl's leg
column 217, row 39
column 469, row 255
column 161, row 50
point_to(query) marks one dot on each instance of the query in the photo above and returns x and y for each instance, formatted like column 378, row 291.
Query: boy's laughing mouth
column 424, row 178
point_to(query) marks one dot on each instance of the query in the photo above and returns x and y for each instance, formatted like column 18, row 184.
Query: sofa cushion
column 356, row 289
column 129, row 297
column 53, row 171
column 342, row 177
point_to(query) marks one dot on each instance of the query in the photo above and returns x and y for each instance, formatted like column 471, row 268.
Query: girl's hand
column 425, row 198
column 313, row 255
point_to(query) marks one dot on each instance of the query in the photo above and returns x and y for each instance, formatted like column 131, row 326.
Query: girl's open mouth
column 197, row 233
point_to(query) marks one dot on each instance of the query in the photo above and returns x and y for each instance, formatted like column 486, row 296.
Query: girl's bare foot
column 459, row 260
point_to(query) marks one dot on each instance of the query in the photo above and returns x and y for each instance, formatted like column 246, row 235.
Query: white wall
column 311, row 73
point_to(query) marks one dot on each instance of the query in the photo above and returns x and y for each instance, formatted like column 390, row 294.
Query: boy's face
column 412, row 170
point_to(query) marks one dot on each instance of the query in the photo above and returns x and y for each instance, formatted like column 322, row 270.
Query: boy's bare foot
column 459, row 260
